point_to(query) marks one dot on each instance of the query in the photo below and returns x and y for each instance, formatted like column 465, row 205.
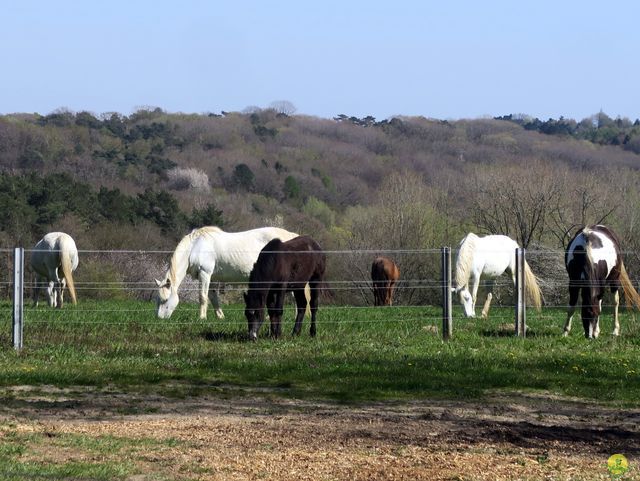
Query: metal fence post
column 447, row 324
column 18, row 297
column 521, row 311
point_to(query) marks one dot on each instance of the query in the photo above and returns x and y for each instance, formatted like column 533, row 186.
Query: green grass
column 51, row 455
column 359, row 355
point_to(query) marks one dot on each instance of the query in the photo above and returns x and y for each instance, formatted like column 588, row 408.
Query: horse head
column 590, row 314
column 591, row 298
column 466, row 299
column 167, row 298
column 254, row 312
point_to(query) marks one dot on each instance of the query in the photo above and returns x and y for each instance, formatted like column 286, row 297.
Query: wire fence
column 123, row 275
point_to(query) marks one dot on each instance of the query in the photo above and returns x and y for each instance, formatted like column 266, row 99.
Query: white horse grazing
column 54, row 258
column 207, row 252
column 489, row 257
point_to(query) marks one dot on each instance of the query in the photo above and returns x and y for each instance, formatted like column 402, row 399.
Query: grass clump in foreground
column 360, row 354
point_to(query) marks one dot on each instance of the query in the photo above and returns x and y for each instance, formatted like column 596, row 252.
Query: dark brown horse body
column 594, row 263
column 384, row 274
column 284, row 267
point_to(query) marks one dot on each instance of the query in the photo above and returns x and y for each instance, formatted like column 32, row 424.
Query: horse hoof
column 565, row 333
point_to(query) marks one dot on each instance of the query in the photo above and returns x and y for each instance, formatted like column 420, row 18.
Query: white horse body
column 210, row 252
column 489, row 257
column 54, row 258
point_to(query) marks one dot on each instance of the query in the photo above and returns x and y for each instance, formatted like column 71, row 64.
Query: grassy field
column 360, row 354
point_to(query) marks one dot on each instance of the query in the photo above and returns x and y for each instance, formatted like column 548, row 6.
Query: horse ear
column 158, row 283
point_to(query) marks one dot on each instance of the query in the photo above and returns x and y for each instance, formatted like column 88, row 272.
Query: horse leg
column 573, row 300
column 596, row 330
column 205, row 280
column 276, row 303
column 61, row 286
column 215, row 300
column 474, row 294
column 301, row 307
column 36, row 289
column 387, row 293
column 51, row 292
column 616, row 320
column 487, row 302
column 392, row 287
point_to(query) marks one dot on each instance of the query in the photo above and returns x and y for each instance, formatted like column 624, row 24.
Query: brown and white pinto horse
column 384, row 274
column 594, row 262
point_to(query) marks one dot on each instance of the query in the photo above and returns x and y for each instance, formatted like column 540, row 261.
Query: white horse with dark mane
column 489, row 256
column 54, row 258
column 210, row 252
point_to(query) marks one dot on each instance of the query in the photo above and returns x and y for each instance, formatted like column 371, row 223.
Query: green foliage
column 31, row 203
column 114, row 206
column 324, row 178
column 31, row 158
column 87, row 119
column 599, row 128
column 243, row 177
column 319, row 210
column 106, row 275
column 260, row 129
column 291, row 188
column 161, row 208
column 208, row 215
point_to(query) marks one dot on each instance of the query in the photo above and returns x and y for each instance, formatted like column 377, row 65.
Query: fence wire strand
column 356, row 292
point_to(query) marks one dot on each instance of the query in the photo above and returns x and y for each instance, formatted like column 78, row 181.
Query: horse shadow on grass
column 510, row 331
column 224, row 336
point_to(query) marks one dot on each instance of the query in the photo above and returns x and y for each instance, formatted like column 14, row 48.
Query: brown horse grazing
column 594, row 262
column 284, row 267
column 384, row 274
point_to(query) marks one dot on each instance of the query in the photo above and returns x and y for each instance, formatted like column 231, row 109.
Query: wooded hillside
column 398, row 183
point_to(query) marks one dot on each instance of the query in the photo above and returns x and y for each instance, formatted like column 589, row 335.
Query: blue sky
column 441, row 59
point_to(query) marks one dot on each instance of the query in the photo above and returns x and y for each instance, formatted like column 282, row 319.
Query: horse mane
column 263, row 267
column 465, row 258
column 206, row 230
column 184, row 246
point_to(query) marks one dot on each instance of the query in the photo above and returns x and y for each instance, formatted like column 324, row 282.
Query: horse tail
column 67, row 269
column 307, row 295
column 631, row 296
column 465, row 259
column 532, row 287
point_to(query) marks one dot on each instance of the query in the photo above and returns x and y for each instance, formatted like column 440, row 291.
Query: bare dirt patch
column 230, row 435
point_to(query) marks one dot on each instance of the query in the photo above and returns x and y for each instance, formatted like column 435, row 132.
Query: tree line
column 599, row 128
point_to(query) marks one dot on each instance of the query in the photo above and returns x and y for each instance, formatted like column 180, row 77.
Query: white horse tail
column 67, row 268
column 532, row 287
column 307, row 295
column 631, row 296
column 465, row 259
